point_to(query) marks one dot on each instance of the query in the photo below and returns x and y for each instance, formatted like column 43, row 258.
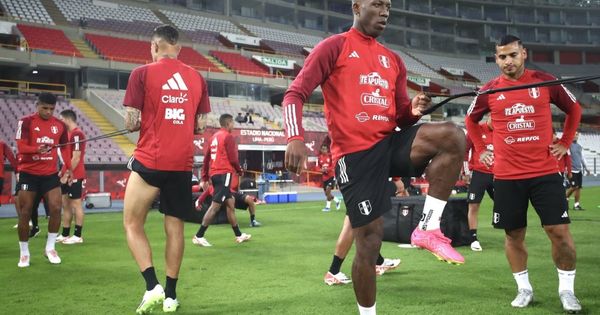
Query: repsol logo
column 170, row 99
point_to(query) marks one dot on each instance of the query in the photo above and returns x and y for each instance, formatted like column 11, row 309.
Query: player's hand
column 204, row 185
column 420, row 103
column 569, row 175
column 44, row 148
column 295, row 156
column 487, row 158
column 466, row 178
column 558, row 150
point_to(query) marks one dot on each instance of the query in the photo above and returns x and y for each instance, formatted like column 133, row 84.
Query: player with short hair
column 482, row 180
column 37, row 135
column 72, row 190
column 221, row 165
column 167, row 102
column 325, row 162
column 525, row 168
column 578, row 166
column 365, row 90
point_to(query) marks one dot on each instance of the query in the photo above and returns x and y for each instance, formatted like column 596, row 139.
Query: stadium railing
column 33, row 87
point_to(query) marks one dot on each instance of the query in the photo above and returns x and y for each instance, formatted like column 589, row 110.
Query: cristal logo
column 519, row 109
column 375, row 79
column 362, row 117
column 174, row 113
column 170, row 99
column 369, row 99
column 520, row 124
column 45, row 140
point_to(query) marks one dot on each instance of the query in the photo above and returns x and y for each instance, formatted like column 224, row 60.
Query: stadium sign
column 242, row 39
column 274, row 62
column 419, row 80
column 454, row 71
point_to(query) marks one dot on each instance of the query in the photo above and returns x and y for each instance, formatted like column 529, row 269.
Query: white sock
column 566, row 280
column 522, row 279
column 367, row 310
column 24, row 246
column 336, row 199
column 328, row 205
column 51, row 241
column 432, row 211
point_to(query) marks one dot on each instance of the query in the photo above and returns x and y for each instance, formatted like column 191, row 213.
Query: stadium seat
column 239, row 63
column 27, row 11
column 55, row 41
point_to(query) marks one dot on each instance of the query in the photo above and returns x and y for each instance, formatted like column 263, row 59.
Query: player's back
column 220, row 162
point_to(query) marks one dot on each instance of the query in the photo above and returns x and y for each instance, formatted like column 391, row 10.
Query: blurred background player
column 480, row 181
column 72, row 190
column 163, row 158
column 577, row 167
column 242, row 202
column 38, row 172
column 221, row 163
column 525, row 169
column 6, row 153
column 325, row 162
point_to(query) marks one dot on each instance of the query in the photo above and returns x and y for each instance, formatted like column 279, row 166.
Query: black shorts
column 577, row 180
column 75, row 190
column 329, row 183
column 363, row 176
column 175, row 188
column 38, row 183
column 546, row 194
column 222, row 185
column 480, row 183
column 240, row 200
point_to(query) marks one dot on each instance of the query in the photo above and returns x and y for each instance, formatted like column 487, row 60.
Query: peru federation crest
column 534, row 92
column 384, row 61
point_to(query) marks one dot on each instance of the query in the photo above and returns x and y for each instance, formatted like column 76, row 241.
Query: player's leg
column 439, row 149
column 249, row 201
column 230, row 208
column 67, row 214
column 173, row 257
column 207, row 220
column 53, row 198
column 480, row 182
column 75, row 204
column 25, row 200
column 328, row 196
column 35, row 227
column 368, row 243
column 342, row 247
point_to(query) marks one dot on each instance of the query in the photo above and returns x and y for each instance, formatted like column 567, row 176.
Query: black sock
column 66, row 231
column 150, row 276
column 252, row 217
column 201, row 231
column 380, row 260
column 170, row 288
column 78, row 229
column 473, row 235
column 336, row 264
column 236, row 230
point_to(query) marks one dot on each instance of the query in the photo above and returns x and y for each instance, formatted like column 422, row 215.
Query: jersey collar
column 362, row 37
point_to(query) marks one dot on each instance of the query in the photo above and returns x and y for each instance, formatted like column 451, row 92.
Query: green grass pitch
column 280, row 271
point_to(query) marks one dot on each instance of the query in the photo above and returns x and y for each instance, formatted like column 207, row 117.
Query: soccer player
column 365, row 92
column 327, row 169
column 72, row 190
column 221, row 164
column 482, row 180
column 241, row 201
column 167, row 102
column 525, row 168
column 578, row 165
column 37, row 134
column 6, row 153
column 344, row 242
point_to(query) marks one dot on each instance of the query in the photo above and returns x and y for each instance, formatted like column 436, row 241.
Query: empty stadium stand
column 109, row 16
column 283, row 48
column 276, row 35
column 194, row 22
column 50, row 40
column 239, row 63
column 27, row 11
column 104, row 151
column 478, row 68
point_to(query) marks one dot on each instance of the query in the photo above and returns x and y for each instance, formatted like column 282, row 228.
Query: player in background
column 578, row 166
column 525, row 169
column 37, row 135
column 564, row 166
column 6, row 153
column 481, row 180
column 72, row 190
column 221, row 164
column 325, row 162
column 167, row 102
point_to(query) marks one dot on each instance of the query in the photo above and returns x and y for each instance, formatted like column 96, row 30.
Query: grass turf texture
column 280, row 271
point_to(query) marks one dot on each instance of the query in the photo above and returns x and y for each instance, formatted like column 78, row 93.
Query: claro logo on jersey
column 170, row 99
column 373, row 98
column 520, row 124
column 375, row 79
column 519, row 109
column 176, row 115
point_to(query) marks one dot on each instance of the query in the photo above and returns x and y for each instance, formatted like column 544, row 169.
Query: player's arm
column 202, row 110
column 232, row 154
column 22, row 137
column 205, row 166
column 67, row 153
column 408, row 112
column 134, row 99
column 316, row 70
column 566, row 101
column 8, row 153
column 479, row 107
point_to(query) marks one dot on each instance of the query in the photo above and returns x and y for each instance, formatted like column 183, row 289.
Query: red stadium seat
column 52, row 40
column 240, row 64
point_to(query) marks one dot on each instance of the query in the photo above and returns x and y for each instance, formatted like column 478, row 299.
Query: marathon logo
column 170, row 99
column 373, row 98
column 176, row 115
column 520, row 124
column 45, row 140
column 374, row 79
column 362, row 117
column 519, row 109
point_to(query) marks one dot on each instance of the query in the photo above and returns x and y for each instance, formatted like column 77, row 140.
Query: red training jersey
column 6, row 153
column 486, row 137
column 77, row 135
column 169, row 94
column 364, row 87
column 522, row 123
column 327, row 167
column 33, row 131
column 221, row 156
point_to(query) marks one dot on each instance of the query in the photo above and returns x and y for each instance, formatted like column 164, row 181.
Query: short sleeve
column 135, row 93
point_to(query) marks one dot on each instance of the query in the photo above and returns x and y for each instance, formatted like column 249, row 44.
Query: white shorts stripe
column 227, row 179
column 343, row 174
column 20, row 125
